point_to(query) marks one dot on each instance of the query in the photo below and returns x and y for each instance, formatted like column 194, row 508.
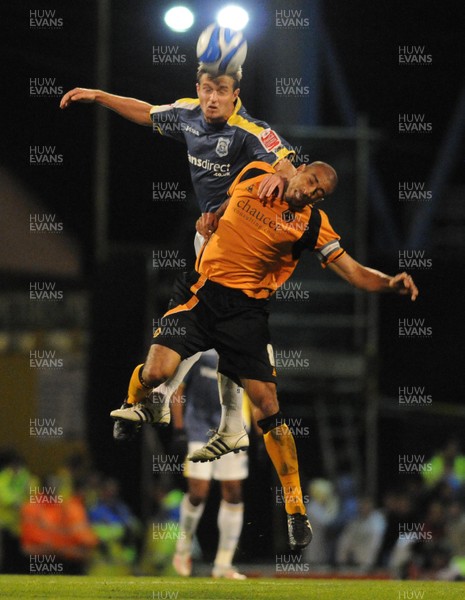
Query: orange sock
column 136, row 391
column 280, row 445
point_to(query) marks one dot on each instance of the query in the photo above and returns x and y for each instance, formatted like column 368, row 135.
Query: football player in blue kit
column 195, row 410
column 221, row 139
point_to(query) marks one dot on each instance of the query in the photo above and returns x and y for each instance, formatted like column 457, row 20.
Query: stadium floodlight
column 233, row 16
column 179, row 18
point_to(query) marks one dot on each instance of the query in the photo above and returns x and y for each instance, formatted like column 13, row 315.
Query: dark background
column 366, row 38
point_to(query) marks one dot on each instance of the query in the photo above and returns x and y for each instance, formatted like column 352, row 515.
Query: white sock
column 188, row 521
column 165, row 390
column 231, row 405
column 230, row 519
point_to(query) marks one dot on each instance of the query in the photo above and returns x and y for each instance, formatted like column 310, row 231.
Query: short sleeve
column 327, row 247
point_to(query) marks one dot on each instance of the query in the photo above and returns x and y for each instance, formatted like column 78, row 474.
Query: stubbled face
column 216, row 97
column 310, row 184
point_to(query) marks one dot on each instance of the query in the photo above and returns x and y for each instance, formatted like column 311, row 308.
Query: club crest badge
column 222, row 147
column 287, row 216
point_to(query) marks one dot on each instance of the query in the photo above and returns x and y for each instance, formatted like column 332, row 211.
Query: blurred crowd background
column 75, row 521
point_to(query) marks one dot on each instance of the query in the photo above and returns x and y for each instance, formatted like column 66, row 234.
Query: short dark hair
column 236, row 76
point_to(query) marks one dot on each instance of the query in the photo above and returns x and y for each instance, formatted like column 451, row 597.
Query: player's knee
column 263, row 397
column 269, row 406
column 266, row 402
column 198, row 490
column 196, row 499
column 233, row 498
column 198, row 494
column 231, row 492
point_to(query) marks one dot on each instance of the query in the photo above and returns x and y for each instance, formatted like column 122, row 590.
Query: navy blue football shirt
column 218, row 152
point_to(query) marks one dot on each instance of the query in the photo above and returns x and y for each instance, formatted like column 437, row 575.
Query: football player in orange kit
column 253, row 251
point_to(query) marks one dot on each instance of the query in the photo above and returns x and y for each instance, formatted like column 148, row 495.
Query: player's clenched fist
column 207, row 224
column 77, row 95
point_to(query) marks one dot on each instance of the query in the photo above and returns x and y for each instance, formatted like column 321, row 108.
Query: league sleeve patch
column 269, row 139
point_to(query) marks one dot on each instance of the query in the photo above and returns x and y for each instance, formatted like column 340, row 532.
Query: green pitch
column 160, row 588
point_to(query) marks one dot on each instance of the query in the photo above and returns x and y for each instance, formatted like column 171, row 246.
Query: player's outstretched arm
column 371, row 280
column 129, row 108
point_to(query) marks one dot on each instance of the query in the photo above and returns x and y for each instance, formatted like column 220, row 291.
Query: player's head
column 217, row 94
column 310, row 184
column 236, row 76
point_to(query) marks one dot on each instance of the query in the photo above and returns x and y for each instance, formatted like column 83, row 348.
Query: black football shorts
column 207, row 315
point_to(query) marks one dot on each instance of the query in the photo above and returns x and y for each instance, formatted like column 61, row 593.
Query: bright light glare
column 179, row 18
column 232, row 16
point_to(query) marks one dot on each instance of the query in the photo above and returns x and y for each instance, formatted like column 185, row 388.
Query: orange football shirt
column 256, row 248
